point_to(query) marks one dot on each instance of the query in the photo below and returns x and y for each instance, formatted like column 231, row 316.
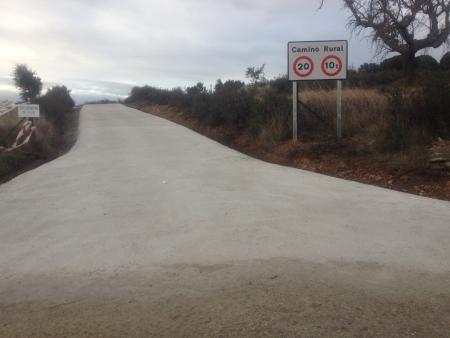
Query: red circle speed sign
column 331, row 65
column 303, row 66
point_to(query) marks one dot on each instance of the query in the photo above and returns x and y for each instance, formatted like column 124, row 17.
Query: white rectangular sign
column 28, row 110
column 317, row 60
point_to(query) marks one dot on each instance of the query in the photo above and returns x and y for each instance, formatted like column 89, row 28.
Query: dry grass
column 362, row 111
column 363, row 114
column 7, row 122
column 273, row 132
column 44, row 135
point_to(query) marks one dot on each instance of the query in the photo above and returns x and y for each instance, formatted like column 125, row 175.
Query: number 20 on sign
column 303, row 66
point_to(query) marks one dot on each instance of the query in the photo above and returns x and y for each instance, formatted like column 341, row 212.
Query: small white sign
column 317, row 60
column 28, row 110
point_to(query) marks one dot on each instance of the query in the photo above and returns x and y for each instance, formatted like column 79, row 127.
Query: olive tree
column 29, row 84
column 402, row 26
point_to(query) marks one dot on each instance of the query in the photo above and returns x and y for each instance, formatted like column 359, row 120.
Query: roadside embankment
column 47, row 142
column 347, row 158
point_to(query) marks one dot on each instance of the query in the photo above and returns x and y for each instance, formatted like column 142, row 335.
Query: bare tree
column 255, row 74
column 402, row 26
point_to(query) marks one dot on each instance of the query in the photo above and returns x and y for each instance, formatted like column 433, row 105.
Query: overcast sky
column 103, row 47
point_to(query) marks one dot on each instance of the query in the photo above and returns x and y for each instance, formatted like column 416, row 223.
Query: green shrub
column 445, row 61
column 231, row 104
column 398, row 132
column 417, row 115
column 281, row 84
column 370, row 68
column 435, row 92
column 271, row 106
column 55, row 103
column 196, row 100
column 393, row 63
column 426, row 62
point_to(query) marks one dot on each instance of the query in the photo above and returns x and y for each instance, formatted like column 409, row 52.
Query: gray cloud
column 112, row 45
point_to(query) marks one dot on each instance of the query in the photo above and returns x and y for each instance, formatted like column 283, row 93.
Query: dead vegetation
column 47, row 143
column 361, row 108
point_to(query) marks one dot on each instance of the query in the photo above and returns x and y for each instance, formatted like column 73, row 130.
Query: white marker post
column 315, row 61
column 339, row 109
column 294, row 110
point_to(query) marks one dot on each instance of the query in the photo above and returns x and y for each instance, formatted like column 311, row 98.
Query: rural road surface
column 146, row 228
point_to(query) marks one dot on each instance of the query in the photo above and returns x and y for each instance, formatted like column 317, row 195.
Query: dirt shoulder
column 45, row 145
column 343, row 159
column 274, row 298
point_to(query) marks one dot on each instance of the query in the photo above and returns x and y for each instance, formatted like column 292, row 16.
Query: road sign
column 28, row 110
column 317, row 60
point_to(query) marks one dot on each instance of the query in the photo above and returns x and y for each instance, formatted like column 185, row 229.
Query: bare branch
column 321, row 4
column 403, row 26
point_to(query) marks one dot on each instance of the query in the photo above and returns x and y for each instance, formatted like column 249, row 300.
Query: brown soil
column 275, row 298
column 340, row 158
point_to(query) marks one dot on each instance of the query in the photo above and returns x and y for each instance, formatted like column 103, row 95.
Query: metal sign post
column 294, row 110
column 339, row 109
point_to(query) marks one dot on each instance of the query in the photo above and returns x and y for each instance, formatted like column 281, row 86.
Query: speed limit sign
column 317, row 60
column 303, row 66
column 331, row 65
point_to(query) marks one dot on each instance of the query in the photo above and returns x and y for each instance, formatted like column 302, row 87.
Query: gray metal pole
column 294, row 110
column 339, row 109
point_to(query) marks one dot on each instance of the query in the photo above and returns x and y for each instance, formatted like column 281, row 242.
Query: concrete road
column 147, row 228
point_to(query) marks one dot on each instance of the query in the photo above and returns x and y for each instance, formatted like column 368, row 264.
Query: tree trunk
column 410, row 65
